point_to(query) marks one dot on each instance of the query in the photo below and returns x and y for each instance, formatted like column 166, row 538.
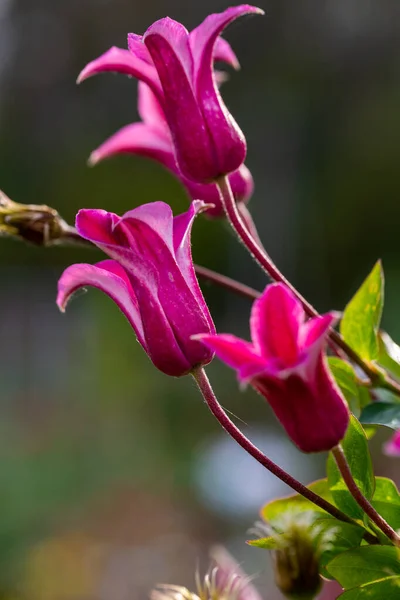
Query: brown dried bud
column 38, row 224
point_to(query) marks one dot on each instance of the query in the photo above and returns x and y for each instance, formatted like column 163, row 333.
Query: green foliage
column 267, row 543
column 346, row 379
column 364, row 565
column 357, row 396
column 275, row 509
column 386, row 501
column 360, row 323
column 355, row 447
column 389, row 354
column 343, row 537
column 382, row 413
column 385, row 589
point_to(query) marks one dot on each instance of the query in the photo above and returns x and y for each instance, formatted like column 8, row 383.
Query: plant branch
column 258, row 252
column 219, row 413
column 358, row 496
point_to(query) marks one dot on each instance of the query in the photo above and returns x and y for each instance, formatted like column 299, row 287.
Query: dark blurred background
column 112, row 476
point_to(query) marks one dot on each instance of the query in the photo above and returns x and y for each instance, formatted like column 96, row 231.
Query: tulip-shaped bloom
column 151, row 138
column 286, row 363
column 150, row 277
column 392, row 447
column 178, row 67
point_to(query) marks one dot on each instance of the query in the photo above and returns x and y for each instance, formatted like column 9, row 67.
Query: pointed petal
column 150, row 110
column 140, row 139
column 204, row 37
column 119, row 60
column 151, row 228
column 224, row 53
column 315, row 331
column 159, row 219
column 96, row 225
column 182, row 227
column 109, row 277
column 167, row 42
column 229, row 141
column 236, row 353
column 176, row 36
column 275, row 322
column 137, row 47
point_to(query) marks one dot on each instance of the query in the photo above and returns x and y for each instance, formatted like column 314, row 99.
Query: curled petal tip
column 93, row 159
column 199, row 206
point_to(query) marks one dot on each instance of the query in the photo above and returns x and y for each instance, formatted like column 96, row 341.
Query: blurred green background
column 112, row 476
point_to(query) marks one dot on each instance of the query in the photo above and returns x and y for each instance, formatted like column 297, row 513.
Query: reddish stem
column 208, row 394
column 358, row 496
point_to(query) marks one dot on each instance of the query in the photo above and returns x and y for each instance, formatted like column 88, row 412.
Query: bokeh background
column 112, row 476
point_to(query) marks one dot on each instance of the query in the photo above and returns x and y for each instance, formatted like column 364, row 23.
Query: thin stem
column 267, row 264
column 207, row 392
column 227, row 282
column 358, row 496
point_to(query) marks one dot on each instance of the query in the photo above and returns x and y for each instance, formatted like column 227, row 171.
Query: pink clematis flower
column 392, row 447
column 286, row 363
column 178, row 67
column 151, row 138
column 150, row 277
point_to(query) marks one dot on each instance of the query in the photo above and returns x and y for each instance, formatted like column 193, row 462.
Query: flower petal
column 392, row 447
column 140, row 139
column 223, row 52
column 205, row 42
column 182, row 227
column 229, row 141
column 229, row 576
column 275, row 321
column 122, row 61
column 235, row 352
column 150, row 110
column 137, row 47
column 109, row 277
column 313, row 333
column 167, row 42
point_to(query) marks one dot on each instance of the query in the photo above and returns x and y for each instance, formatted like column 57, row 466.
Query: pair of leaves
column 371, row 572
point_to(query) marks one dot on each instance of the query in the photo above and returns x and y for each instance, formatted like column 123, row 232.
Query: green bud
column 298, row 544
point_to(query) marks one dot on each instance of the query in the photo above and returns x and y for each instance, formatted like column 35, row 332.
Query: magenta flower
column 151, row 278
column 151, row 138
column 178, row 67
column 286, row 363
column 392, row 447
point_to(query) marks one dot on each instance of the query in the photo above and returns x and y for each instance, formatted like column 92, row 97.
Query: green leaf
column 386, row 500
column 385, row 589
column 346, row 379
column 389, row 354
column 364, row 565
column 355, row 447
column 360, row 323
column 344, row 537
column 268, row 543
column 382, row 413
column 274, row 510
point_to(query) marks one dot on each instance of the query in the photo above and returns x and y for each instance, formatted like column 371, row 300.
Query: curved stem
column 358, row 496
column 207, row 392
column 267, row 264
